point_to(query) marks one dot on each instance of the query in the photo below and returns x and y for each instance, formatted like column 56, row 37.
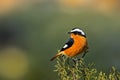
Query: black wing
column 68, row 44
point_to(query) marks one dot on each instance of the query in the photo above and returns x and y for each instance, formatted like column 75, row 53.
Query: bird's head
column 77, row 31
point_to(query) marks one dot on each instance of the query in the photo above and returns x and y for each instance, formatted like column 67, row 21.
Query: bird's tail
column 58, row 54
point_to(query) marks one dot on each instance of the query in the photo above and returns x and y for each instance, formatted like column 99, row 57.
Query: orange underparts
column 77, row 47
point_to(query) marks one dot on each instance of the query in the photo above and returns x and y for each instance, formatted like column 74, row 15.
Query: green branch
column 69, row 69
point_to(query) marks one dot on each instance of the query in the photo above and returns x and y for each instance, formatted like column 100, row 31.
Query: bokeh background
column 31, row 32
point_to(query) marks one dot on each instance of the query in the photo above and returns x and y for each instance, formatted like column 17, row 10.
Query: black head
column 77, row 31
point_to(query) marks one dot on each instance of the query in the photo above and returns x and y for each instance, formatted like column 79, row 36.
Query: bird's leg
column 71, row 65
column 75, row 60
column 84, row 54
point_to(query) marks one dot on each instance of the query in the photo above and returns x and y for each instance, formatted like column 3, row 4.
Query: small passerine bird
column 77, row 44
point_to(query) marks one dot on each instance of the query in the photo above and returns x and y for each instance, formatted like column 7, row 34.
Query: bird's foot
column 75, row 60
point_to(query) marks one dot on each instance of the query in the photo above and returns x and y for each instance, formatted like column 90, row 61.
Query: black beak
column 69, row 32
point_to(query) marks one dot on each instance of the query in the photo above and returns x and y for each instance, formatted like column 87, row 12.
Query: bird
column 77, row 44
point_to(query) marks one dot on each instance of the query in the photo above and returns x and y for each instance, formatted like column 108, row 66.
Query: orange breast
column 77, row 47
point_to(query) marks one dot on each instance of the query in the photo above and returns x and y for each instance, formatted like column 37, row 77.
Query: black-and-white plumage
column 68, row 44
column 78, row 31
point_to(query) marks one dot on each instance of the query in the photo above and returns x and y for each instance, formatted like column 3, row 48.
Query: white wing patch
column 65, row 46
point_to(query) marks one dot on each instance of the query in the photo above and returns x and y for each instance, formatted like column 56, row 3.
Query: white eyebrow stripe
column 78, row 31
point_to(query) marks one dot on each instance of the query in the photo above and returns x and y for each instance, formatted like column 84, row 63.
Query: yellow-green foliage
column 69, row 69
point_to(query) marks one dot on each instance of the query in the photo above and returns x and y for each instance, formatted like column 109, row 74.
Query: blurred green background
column 31, row 32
